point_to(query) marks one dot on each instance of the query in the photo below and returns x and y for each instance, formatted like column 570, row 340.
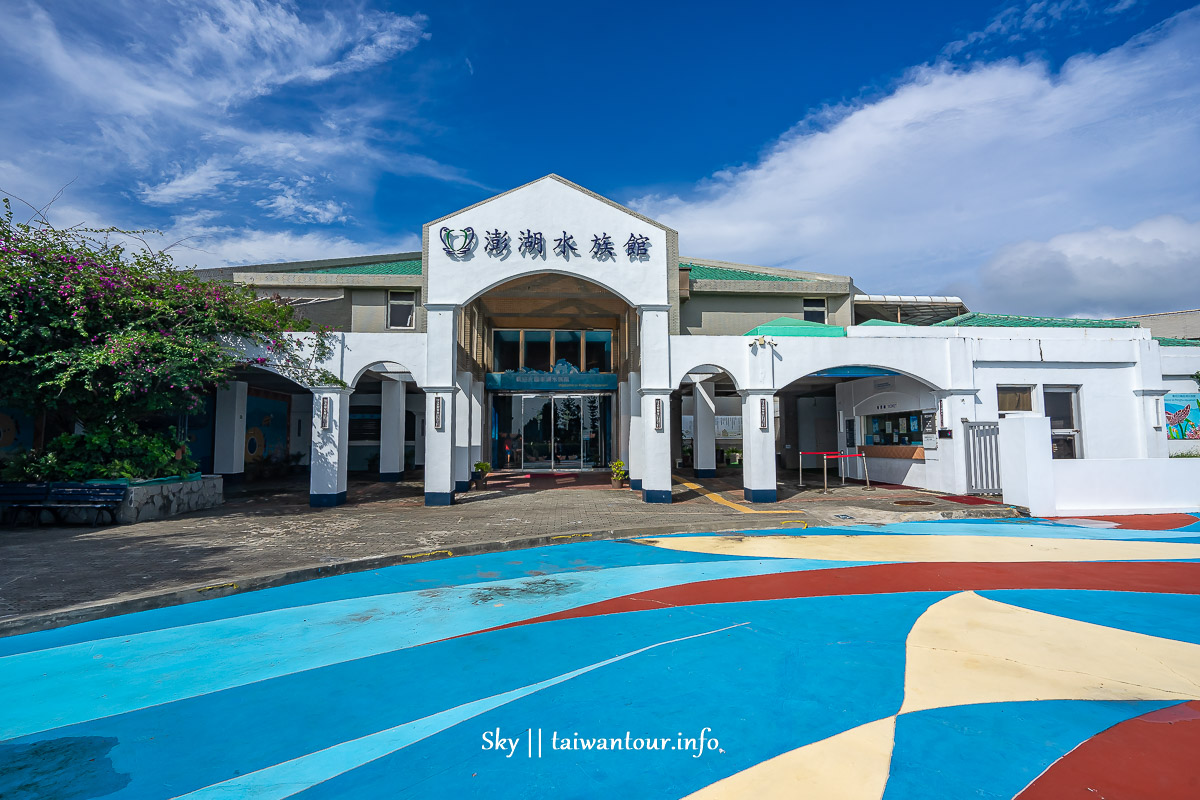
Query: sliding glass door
column 551, row 432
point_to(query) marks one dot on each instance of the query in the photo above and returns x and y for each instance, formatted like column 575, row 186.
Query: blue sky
column 1033, row 157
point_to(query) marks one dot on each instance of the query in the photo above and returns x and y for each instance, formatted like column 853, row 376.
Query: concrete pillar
column 229, row 422
column 621, row 423
column 300, row 427
column 656, row 446
column 439, row 447
column 758, row 446
column 330, row 446
column 391, row 430
column 479, row 420
column 419, row 433
column 676, row 429
column 704, row 429
column 462, row 433
column 636, row 444
column 441, row 387
column 1026, row 463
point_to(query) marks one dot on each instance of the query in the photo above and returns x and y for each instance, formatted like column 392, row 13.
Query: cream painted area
column 851, row 765
column 928, row 548
column 967, row 649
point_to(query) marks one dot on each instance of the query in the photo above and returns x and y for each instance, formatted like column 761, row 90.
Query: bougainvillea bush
column 93, row 332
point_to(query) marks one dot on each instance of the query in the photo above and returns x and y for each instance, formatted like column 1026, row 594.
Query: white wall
column 1068, row 487
column 1126, row 486
column 548, row 206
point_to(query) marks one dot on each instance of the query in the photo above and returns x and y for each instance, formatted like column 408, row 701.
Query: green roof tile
column 789, row 326
column 390, row 268
column 974, row 319
column 701, row 272
column 1167, row 341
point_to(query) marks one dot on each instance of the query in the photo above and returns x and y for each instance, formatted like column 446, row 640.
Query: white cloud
column 916, row 190
column 1101, row 272
column 1019, row 22
column 164, row 107
column 232, row 247
column 296, row 203
column 202, row 180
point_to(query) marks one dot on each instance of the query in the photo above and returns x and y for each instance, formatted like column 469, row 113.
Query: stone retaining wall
column 160, row 500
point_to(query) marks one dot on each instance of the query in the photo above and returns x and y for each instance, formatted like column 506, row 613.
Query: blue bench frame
column 57, row 497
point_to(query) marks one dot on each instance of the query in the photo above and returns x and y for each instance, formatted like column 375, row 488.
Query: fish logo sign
column 457, row 243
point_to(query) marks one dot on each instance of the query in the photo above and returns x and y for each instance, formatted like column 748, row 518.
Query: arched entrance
column 887, row 416
column 709, row 440
column 553, row 354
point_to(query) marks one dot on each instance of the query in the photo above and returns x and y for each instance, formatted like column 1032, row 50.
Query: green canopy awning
column 790, row 326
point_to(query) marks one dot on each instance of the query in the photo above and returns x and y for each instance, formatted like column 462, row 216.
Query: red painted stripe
column 1142, row 576
column 1145, row 522
column 1152, row 756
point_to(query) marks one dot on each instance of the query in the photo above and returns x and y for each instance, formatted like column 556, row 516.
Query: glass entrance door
column 567, row 436
column 551, row 432
column 536, row 431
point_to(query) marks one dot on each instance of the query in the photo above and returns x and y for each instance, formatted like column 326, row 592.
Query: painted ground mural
column 1004, row 659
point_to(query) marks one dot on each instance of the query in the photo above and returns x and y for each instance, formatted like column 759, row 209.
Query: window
column 537, row 351
column 814, row 309
column 1014, row 398
column 506, row 351
column 401, row 309
column 897, row 428
column 1062, row 407
column 568, row 349
column 598, row 351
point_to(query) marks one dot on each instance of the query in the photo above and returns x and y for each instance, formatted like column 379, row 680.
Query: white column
column 330, row 450
column 441, row 348
column 621, row 423
column 300, row 427
column 462, row 433
column 478, row 424
column 229, row 443
column 758, row 446
column 439, row 447
column 655, row 351
column 1026, row 464
column 633, row 461
column 391, row 430
column 656, row 445
column 419, row 434
column 704, row 429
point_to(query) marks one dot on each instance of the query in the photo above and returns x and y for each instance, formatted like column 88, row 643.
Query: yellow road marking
column 571, row 535
column 431, row 553
column 716, row 498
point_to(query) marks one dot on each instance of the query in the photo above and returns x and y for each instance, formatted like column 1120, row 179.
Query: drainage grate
column 911, row 503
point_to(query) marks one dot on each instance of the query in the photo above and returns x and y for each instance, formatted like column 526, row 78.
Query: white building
column 548, row 328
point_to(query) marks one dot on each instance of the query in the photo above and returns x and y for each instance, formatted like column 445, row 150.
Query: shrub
column 103, row 452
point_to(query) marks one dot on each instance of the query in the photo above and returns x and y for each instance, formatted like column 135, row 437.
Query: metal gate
column 983, row 457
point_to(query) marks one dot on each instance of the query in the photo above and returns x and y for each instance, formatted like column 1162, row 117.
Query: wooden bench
column 98, row 496
column 18, row 497
column 60, row 497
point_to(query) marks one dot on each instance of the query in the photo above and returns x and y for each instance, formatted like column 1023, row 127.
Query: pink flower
column 1177, row 417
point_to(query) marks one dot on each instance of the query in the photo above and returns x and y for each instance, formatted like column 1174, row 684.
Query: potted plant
column 618, row 473
column 734, row 456
column 482, row 468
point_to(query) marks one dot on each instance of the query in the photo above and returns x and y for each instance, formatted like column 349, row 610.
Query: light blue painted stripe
column 1041, row 529
column 292, row 777
column 47, row 689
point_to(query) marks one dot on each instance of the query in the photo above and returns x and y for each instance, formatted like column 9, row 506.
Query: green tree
column 93, row 332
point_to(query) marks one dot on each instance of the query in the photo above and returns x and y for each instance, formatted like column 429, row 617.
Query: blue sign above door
column 551, row 381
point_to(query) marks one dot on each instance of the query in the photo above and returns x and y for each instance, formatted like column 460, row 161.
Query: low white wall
column 1126, row 485
column 1070, row 487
